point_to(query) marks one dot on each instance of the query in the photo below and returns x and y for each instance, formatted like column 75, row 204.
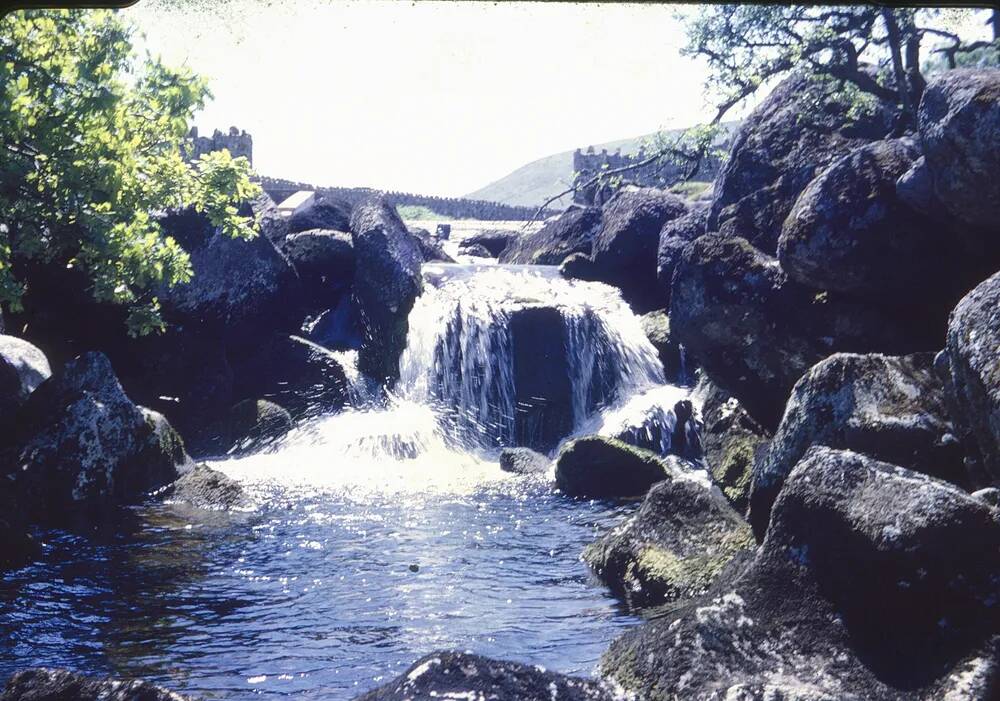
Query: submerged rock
column 296, row 374
column 493, row 240
column 523, row 461
column 796, row 132
column 874, row 582
column 22, row 368
column 205, row 488
column 321, row 214
column 625, row 247
column 731, row 440
column 959, row 120
column 456, row 675
column 571, row 232
column 543, row 392
column 430, row 248
column 387, row 281
column 252, row 426
column 973, row 339
column 674, row 547
column 599, row 467
column 890, row 408
column 476, row 251
column 82, row 442
column 577, row 266
column 62, row 685
column 755, row 332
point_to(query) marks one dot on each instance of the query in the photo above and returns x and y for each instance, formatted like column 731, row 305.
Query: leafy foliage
column 94, row 146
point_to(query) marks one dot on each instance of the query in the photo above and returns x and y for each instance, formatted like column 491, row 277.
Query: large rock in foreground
column 22, row 368
column 625, row 248
column 675, row 235
column 599, row 467
column 960, row 133
column 324, row 260
column 387, row 282
column 456, row 675
column 755, row 332
column 205, row 488
column 62, row 685
column 850, row 232
column 83, row 443
column 796, row 132
column 890, row 408
column 674, row 547
column 874, row 582
column 973, row 340
column 572, row 232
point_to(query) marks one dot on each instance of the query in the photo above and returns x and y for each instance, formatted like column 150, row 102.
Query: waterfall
column 518, row 355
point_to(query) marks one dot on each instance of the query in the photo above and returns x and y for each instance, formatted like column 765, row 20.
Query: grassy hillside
column 532, row 184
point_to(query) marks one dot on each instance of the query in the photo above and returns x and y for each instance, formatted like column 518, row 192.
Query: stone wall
column 458, row 208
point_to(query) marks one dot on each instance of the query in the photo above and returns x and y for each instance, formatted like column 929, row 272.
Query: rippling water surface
column 322, row 592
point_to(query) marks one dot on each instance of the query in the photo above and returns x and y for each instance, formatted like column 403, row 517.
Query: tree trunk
column 902, row 86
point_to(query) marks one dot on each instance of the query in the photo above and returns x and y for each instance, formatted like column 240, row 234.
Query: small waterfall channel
column 383, row 532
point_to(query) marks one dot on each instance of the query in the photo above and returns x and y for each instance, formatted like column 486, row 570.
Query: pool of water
column 320, row 591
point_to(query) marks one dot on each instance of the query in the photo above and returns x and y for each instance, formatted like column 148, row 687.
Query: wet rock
column 62, row 685
column 674, row 236
column 849, row 231
column 656, row 324
column 337, row 328
column 476, row 251
column 430, row 248
column 238, row 286
column 625, row 247
column 755, row 332
column 22, row 368
column 461, row 675
column 973, row 339
column 674, row 547
column 959, row 119
column 387, row 283
column 523, row 461
column 571, row 232
column 795, row 133
column 82, row 442
column 324, row 260
column 577, row 266
column 252, row 426
column 599, row 467
column 321, row 214
column 731, row 440
column 873, row 582
column 299, row 375
column 205, row 488
column 493, row 240
column 543, row 391
column 17, row 547
column 990, row 495
column 890, row 408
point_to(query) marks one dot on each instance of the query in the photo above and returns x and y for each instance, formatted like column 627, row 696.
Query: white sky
column 427, row 97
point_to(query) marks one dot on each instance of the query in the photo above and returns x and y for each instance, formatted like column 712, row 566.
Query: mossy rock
column 681, row 539
column 599, row 467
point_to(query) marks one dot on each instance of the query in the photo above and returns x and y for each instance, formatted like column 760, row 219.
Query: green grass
column 417, row 212
column 691, row 188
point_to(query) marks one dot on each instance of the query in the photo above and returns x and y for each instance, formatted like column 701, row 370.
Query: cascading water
column 385, row 531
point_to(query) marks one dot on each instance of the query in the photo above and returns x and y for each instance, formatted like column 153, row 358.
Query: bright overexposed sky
column 428, row 97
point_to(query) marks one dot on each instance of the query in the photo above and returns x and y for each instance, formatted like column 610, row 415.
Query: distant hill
column 532, row 184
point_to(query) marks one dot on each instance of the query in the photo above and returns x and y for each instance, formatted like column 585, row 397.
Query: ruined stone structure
column 239, row 143
column 455, row 207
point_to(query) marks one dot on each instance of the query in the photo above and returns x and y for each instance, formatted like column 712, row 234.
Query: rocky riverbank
column 839, row 296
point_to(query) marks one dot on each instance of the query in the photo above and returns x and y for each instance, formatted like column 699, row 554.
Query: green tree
column 93, row 148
